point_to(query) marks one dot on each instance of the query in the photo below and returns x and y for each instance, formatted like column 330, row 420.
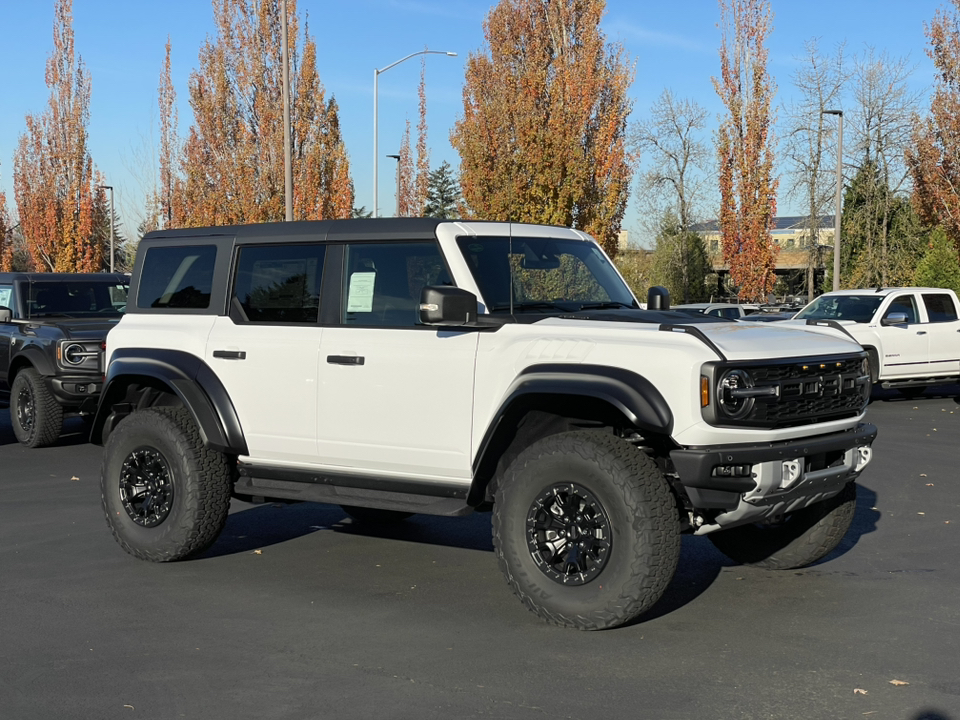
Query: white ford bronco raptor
column 413, row 365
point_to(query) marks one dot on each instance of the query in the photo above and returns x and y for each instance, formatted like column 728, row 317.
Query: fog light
column 864, row 455
column 790, row 472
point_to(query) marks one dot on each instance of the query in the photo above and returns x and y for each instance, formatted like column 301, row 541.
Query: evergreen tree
column 443, row 194
column 680, row 262
column 939, row 267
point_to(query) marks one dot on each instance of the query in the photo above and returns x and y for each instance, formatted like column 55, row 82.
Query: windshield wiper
column 607, row 304
column 530, row 306
column 50, row 314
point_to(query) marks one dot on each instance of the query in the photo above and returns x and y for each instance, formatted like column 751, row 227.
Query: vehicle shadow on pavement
column 251, row 527
column 865, row 519
column 881, row 394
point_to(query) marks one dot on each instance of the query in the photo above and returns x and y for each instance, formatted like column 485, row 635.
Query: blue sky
column 674, row 45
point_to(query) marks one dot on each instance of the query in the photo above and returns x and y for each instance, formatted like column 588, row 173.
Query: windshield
column 77, row 299
column 548, row 274
column 859, row 308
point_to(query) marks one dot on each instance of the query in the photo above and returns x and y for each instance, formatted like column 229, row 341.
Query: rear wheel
column 798, row 539
column 35, row 414
column 586, row 530
column 165, row 495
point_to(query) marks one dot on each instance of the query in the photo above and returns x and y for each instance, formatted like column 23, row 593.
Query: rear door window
column 940, row 307
column 278, row 283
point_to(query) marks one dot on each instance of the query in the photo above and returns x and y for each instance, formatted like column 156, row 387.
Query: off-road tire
column 802, row 538
column 643, row 520
column 375, row 515
column 200, row 478
column 35, row 414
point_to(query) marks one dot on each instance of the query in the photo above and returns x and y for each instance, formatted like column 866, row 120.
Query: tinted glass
column 382, row 282
column 859, row 308
column 280, row 283
column 546, row 274
column 177, row 277
column 940, row 307
column 76, row 298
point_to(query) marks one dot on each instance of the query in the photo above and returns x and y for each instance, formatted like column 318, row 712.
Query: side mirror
column 446, row 305
column 6, row 314
column 897, row 318
column 658, row 298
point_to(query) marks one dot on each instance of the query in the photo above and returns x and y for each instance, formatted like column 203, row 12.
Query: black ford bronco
column 52, row 331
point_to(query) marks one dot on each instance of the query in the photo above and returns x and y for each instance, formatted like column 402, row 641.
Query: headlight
column 733, row 401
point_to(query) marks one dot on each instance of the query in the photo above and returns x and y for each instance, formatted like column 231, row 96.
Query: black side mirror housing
column 6, row 314
column 447, row 305
column 658, row 298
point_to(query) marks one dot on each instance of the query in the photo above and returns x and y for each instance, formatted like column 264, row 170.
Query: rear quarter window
column 179, row 277
column 940, row 307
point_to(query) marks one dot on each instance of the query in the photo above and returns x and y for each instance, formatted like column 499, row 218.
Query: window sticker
column 360, row 295
column 6, row 295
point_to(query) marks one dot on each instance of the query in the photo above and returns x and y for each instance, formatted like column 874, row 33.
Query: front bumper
column 747, row 483
column 78, row 393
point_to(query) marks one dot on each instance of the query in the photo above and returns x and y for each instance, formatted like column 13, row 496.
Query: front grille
column 787, row 393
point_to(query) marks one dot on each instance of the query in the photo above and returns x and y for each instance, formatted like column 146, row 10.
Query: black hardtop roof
column 6, row 277
column 329, row 230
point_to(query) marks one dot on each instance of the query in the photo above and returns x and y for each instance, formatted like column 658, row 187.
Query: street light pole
column 110, row 188
column 839, row 206
column 376, row 75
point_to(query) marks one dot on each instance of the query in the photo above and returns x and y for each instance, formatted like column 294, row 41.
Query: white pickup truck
column 912, row 335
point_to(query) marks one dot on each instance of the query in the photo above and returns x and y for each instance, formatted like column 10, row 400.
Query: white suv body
column 414, row 365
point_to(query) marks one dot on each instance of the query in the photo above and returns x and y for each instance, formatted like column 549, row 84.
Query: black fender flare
column 189, row 378
column 34, row 356
column 635, row 397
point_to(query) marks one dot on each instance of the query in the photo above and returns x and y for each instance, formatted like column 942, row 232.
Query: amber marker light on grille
column 704, row 391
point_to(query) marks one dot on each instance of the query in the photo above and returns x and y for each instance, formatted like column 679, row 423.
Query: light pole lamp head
column 832, row 112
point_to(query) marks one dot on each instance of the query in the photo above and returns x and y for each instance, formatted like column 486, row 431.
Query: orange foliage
column 934, row 159
column 544, row 119
column 233, row 157
column 748, row 190
column 6, row 244
column 54, row 182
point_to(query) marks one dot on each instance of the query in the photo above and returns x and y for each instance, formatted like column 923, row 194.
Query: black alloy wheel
column 26, row 406
column 568, row 534
column 146, row 487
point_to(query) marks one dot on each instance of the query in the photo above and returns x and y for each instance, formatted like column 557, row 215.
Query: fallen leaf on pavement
column 258, row 552
column 74, row 479
column 859, row 691
column 898, row 682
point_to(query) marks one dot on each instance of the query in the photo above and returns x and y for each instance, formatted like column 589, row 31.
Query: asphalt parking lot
column 297, row 612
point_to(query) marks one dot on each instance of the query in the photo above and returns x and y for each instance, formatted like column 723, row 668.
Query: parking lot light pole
column 110, row 188
column 839, row 199
column 376, row 75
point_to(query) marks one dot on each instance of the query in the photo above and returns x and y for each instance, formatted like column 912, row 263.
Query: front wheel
column 585, row 530
column 799, row 539
column 35, row 414
column 165, row 495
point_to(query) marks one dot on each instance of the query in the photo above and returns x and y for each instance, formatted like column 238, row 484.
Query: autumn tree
column 543, row 133
column 675, row 161
column 810, row 144
column 748, row 189
column 934, row 154
column 443, row 193
column 233, row 156
column 422, row 181
column 169, row 143
column 6, row 237
column 54, row 179
column 406, row 179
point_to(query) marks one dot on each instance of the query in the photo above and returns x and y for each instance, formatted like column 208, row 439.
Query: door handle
column 345, row 359
column 921, row 332
column 230, row 354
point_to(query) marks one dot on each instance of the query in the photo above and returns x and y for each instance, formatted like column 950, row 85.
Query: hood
column 84, row 329
column 737, row 340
